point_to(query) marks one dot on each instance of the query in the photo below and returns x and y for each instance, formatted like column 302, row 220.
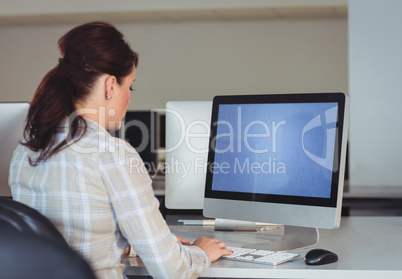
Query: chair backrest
column 26, row 219
column 32, row 247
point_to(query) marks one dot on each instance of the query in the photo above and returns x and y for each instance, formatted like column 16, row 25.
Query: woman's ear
column 110, row 84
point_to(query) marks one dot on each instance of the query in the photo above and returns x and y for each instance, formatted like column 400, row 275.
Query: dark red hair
column 87, row 51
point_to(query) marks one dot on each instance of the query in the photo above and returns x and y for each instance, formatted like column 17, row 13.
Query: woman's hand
column 213, row 247
column 183, row 241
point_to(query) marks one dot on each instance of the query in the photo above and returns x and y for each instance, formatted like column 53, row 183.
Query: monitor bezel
column 330, row 202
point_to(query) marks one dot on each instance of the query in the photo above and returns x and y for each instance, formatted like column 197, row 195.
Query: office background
column 196, row 50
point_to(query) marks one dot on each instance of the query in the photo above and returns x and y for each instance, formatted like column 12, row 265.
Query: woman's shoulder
column 108, row 146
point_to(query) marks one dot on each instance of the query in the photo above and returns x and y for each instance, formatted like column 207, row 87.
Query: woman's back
column 70, row 189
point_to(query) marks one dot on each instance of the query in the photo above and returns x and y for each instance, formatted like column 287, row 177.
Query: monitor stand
column 274, row 237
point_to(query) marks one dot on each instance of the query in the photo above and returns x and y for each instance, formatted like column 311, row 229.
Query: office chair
column 32, row 247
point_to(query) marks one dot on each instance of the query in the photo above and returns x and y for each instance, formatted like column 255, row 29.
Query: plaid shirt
column 99, row 195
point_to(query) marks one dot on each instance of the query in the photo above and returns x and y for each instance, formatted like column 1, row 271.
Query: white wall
column 375, row 55
column 197, row 60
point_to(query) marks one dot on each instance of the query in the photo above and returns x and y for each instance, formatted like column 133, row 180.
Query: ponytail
column 51, row 104
column 88, row 51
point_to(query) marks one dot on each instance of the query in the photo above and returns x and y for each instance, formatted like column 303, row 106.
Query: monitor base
column 288, row 238
column 274, row 237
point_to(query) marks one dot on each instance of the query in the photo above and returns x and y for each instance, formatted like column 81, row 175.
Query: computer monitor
column 145, row 131
column 187, row 138
column 12, row 120
column 278, row 159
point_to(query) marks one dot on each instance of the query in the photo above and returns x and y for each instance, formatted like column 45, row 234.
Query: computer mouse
column 319, row 257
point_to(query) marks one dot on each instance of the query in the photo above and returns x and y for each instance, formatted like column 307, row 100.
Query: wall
column 375, row 69
column 197, row 60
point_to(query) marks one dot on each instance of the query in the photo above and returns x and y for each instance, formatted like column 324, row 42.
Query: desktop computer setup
column 277, row 158
column 245, row 160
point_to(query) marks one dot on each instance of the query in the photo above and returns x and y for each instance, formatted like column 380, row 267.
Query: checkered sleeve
column 140, row 221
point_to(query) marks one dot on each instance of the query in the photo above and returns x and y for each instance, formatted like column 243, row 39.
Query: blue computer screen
column 279, row 149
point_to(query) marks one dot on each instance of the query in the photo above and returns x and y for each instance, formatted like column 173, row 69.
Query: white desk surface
column 367, row 247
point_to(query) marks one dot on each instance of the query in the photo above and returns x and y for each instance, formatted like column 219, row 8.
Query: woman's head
column 88, row 52
column 93, row 49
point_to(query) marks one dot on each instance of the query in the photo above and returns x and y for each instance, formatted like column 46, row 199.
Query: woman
column 88, row 183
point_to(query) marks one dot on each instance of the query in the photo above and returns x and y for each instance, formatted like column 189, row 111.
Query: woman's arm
column 141, row 223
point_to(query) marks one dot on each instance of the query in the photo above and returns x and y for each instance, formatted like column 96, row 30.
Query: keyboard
column 259, row 256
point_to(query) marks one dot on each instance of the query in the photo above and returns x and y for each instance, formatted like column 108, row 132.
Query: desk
column 368, row 247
